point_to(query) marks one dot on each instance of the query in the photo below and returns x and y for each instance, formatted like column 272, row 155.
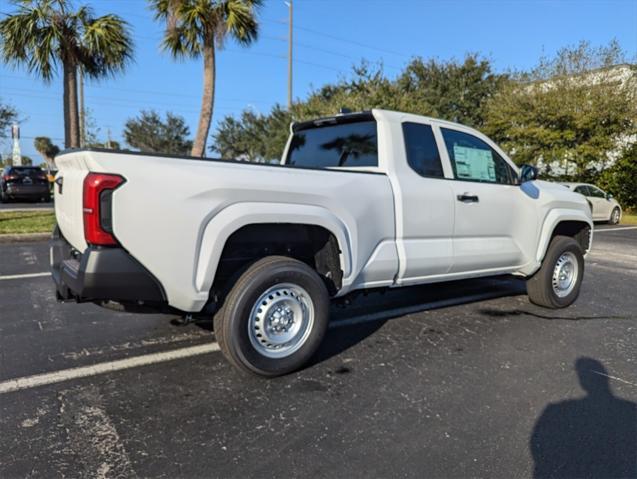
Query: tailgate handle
column 59, row 181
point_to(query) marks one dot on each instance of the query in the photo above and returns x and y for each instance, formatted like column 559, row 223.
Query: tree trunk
column 71, row 115
column 207, row 100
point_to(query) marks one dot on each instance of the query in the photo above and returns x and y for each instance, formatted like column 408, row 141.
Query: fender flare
column 223, row 224
column 552, row 219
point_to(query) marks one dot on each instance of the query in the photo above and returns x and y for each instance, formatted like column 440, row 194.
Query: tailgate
column 72, row 170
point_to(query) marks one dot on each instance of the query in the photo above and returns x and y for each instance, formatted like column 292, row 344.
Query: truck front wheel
column 557, row 283
column 274, row 318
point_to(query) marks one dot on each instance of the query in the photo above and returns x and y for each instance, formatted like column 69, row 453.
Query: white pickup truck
column 360, row 200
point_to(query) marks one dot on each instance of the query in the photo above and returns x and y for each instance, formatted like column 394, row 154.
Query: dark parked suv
column 24, row 182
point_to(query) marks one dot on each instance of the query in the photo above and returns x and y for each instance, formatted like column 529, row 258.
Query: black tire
column 231, row 323
column 540, row 286
column 614, row 217
column 3, row 197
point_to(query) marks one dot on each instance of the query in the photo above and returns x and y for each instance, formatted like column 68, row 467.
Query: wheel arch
column 572, row 223
column 272, row 222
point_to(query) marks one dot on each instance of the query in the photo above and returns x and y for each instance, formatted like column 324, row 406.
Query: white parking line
column 616, row 229
column 24, row 276
column 36, row 380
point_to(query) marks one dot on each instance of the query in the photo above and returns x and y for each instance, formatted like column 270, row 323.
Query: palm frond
column 192, row 24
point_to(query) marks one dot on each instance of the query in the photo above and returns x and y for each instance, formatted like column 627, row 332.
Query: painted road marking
column 24, row 276
column 616, row 229
column 53, row 377
column 36, row 380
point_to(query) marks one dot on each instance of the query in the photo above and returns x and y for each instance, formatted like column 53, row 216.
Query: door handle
column 466, row 198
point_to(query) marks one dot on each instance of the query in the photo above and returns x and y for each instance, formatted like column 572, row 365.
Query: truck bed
column 171, row 211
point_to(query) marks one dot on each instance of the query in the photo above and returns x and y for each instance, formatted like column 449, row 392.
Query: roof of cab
column 367, row 115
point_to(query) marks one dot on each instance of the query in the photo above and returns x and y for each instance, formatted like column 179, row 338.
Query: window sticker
column 474, row 163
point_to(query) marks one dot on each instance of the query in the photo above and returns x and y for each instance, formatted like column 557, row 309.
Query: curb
column 24, row 238
column 26, row 210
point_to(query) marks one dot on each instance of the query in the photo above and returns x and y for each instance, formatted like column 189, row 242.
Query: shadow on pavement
column 591, row 437
column 359, row 315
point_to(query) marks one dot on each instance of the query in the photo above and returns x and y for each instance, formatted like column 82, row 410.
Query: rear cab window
column 335, row 145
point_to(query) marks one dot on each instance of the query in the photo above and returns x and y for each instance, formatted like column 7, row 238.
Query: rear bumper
column 27, row 191
column 100, row 273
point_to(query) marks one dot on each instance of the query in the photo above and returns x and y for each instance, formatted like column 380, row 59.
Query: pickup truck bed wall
column 163, row 198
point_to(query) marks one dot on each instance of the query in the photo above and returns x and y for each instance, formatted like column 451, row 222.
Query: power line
column 341, row 39
column 150, row 92
column 217, row 100
column 107, row 103
column 265, row 54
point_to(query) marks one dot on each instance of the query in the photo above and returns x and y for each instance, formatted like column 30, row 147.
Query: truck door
column 495, row 220
column 424, row 204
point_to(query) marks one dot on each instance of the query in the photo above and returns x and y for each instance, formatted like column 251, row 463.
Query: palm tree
column 47, row 149
column 197, row 28
column 43, row 34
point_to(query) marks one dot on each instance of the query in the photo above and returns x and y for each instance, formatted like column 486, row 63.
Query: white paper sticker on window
column 474, row 164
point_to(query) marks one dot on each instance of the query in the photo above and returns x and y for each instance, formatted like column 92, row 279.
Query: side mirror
column 528, row 173
column 609, row 196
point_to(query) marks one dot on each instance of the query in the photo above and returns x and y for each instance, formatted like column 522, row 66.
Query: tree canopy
column 45, row 34
column 571, row 114
column 8, row 115
column 150, row 133
column 451, row 90
column 47, row 149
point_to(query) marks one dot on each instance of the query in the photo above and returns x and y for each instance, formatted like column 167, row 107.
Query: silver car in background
column 603, row 206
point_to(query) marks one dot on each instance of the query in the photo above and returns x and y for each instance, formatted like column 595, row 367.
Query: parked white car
column 364, row 200
column 603, row 206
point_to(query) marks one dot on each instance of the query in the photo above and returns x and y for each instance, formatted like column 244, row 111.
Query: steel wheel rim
column 565, row 274
column 281, row 320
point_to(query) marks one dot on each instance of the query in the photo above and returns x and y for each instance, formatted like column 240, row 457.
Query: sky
column 329, row 37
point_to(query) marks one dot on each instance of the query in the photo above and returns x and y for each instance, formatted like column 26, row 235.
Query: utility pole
column 82, row 111
column 290, row 8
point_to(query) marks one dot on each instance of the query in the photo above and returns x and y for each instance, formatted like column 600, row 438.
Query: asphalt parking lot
column 453, row 380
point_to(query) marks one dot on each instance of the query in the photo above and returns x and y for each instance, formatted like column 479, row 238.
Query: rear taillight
column 98, row 220
column 9, row 177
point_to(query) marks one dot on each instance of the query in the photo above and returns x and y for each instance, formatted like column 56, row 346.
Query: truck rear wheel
column 557, row 283
column 274, row 318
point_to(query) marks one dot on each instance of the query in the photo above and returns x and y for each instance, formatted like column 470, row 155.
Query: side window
column 596, row 192
column 422, row 152
column 473, row 160
column 582, row 190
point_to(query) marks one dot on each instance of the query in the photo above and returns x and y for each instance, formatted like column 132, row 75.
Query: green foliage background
column 573, row 115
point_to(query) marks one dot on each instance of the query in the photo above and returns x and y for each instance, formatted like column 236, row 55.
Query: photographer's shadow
column 595, row 436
